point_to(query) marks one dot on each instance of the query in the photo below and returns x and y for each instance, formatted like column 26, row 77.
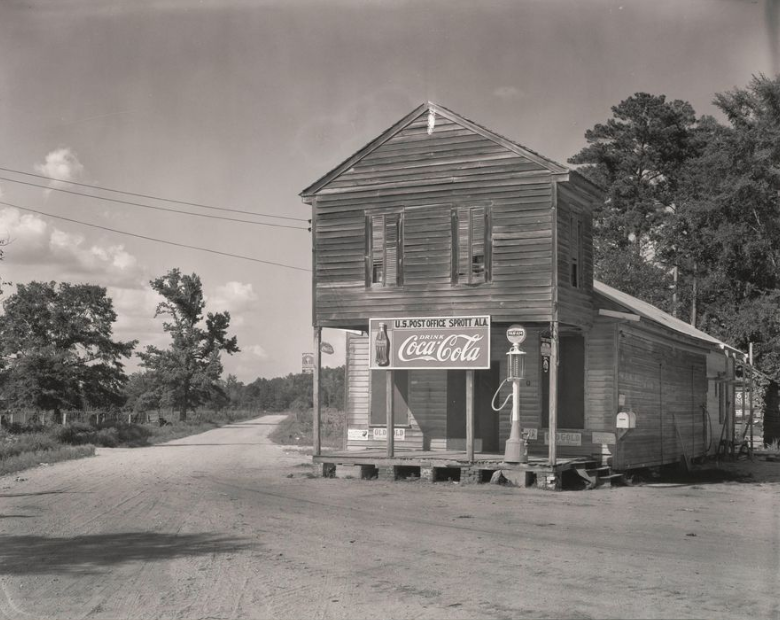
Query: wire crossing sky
column 220, row 103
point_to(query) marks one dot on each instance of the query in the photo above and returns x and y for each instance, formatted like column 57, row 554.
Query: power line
column 129, row 234
column 180, row 202
column 138, row 204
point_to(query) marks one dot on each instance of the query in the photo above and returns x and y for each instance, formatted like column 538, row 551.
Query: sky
column 241, row 104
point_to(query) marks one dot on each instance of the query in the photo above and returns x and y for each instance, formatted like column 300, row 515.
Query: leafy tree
column 143, row 393
column 732, row 209
column 702, row 198
column 57, row 349
column 638, row 156
column 187, row 374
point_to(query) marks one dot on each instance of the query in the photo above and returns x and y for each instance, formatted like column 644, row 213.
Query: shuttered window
column 471, row 245
column 575, row 251
column 383, row 249
column 378, row 416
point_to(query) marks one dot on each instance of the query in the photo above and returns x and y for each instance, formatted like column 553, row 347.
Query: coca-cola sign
column 454, row 342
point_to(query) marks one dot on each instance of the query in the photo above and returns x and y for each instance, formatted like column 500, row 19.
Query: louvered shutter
column 464, row 244
column 377, row 249
column 477, row 245
column 391, row 249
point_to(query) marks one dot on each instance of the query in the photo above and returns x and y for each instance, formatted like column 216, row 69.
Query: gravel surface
column 227, row 525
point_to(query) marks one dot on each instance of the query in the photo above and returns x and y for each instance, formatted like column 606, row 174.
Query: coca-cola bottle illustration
column 382, row 346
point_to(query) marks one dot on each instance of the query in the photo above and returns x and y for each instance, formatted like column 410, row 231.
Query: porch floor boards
column 440, row 458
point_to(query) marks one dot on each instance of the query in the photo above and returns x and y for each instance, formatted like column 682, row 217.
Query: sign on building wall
column 381, row 433
column 357, row 434
column 452, row 342
column 564, row 439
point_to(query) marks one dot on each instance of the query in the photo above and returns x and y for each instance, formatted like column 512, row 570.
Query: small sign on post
column 307, row 363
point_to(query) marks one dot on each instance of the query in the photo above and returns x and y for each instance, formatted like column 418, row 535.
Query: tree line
column 691, row 219
column 58, row 354
column 690, row 223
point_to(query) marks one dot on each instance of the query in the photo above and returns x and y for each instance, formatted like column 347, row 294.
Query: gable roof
column 549, row 164
column 656, row 315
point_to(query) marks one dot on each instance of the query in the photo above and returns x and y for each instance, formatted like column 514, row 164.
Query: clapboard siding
column 575, row 305
column 426, row 177
column 359, row 400
column 521, row 286
column 665, row 387
column 600, row 349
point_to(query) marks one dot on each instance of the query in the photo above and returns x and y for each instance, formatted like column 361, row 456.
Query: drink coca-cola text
column 449, row 348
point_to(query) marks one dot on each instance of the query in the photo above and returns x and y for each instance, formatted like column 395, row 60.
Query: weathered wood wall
column 600, row 383
column 575, row 304
column 665, row 387
column 424, row 177
column 426, row 401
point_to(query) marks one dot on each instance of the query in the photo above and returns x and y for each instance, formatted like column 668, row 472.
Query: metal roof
column 651, row 313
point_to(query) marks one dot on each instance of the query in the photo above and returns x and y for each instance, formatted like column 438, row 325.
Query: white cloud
column 237, row 298
column 33, row 241
column 256, row 350
column 233, row 297
column 61, row 164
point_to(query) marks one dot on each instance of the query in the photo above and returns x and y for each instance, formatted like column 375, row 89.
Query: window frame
column 397, row 219
column 472, row 278
column 576, row 234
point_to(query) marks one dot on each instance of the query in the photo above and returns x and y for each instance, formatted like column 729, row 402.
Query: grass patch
column 25, row 446
column 296, row 429
column 26, row 460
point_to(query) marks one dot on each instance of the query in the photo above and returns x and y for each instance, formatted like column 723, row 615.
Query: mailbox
column 626, row 420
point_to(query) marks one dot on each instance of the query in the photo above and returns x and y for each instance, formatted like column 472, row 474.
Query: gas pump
column 515, row 450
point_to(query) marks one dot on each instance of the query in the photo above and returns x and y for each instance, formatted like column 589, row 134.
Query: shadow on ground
column 31, row 555
column 743, row 472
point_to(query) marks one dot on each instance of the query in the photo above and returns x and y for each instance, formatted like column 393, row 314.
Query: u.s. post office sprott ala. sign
column 451, row 342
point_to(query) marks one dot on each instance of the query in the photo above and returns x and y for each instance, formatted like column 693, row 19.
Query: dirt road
column 212, row 526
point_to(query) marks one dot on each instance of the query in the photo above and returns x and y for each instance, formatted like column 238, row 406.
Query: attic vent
column 431, row 120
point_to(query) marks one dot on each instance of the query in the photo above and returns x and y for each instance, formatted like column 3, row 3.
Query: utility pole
column 694, row 294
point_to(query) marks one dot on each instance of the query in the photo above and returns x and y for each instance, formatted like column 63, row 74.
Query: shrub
column 107, row 434
column 127, row 433
column 17, row 428
column 14, row 445
column 79, row 434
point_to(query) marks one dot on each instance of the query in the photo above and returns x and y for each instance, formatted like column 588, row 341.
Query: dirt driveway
column 213, row 526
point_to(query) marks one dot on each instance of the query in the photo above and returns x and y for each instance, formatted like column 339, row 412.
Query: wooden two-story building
column 428, row 244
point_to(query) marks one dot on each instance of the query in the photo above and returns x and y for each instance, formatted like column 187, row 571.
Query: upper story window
column 384, row 255
column 575, row 251
column 471, row 247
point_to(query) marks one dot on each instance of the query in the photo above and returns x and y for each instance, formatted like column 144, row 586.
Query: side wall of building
column 575, row 245
column 666, row 387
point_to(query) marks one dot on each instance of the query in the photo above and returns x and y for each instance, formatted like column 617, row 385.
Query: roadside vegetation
column 296, row 429
column 28, row 445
